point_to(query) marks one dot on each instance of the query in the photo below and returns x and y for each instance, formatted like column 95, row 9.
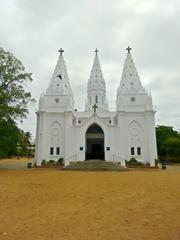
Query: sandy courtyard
column 52, row 204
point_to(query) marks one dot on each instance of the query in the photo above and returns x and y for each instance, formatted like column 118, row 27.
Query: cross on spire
column 61, row 51
column 129, row 49
column 96, row 51
column 94, row 106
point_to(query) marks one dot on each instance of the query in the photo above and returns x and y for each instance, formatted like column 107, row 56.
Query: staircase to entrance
column 95, row 165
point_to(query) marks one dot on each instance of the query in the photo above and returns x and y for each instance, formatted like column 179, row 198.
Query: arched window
column 96, row 99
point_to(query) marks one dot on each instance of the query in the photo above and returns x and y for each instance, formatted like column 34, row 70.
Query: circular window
column 56, row 100
column 134, row 131
column 133, row 99
column 55, row 131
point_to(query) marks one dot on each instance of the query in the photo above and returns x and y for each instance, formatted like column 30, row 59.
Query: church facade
column 96, row 133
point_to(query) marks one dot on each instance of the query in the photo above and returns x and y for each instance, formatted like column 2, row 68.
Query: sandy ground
column 52, row 204
column 14, row 163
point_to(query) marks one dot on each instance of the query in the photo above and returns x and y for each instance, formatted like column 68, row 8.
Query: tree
column 13, row 141
column 24, row 142
column 13, row 96
column 168, row 143
column 9, row 134
column 14, row 99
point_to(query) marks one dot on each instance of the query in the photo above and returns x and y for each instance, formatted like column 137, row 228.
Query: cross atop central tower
column 96, row 51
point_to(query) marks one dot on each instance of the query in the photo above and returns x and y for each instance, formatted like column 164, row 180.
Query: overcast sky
column 34, row 30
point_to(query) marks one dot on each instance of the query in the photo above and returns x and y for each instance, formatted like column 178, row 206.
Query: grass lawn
column 52, row 204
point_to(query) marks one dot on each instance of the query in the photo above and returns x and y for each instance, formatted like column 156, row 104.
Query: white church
column 96, row 133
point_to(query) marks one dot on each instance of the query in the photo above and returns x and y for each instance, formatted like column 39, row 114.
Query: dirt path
column 52, row 204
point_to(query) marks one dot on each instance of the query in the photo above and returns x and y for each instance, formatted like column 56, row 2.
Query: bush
column 44, row 162
column 60, row 161
column 51, row 161
column 157, row 161
column 134, row 162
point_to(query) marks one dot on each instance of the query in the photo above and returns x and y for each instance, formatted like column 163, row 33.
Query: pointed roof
column 59, row 83
column 130, row 81
column 96, row 78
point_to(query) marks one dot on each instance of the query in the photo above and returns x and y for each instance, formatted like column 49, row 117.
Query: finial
column 96, row 51
column 129, row 49
column 61, row 51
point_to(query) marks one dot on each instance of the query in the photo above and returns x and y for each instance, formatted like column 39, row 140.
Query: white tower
column 96, row 89
column 136, row 115
column 55, row 109
column 59, row 94
column 131, row 95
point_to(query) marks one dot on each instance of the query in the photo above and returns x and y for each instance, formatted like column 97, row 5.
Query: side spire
column 130, row 81
column 131, row 95
column 59, row 84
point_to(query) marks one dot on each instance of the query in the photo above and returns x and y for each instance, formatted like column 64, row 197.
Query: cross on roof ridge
column 94, row 106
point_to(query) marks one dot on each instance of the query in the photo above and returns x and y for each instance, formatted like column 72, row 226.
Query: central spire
column 96, row 90
column 96, row 76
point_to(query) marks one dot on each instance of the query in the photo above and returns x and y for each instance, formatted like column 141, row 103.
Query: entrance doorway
column 95, row 143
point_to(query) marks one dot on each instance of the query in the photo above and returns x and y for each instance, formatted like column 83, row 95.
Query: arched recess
column 56, row 140
column 135, row 138
column 94, row 139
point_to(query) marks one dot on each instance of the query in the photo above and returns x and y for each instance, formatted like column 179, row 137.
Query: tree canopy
column 168, row 143
column 13, row 80
column 14, row 99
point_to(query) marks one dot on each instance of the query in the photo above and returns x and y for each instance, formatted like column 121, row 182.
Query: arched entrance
column 94, row 142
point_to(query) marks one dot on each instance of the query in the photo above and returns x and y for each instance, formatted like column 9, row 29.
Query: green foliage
column 134, row 162
column 168, row 144
column 8, row 138
column 60, row 161
column 13, row 79
column 51, row 161
column 44, row 162
column 157, row 161
column 14, row 101
column 13, row 141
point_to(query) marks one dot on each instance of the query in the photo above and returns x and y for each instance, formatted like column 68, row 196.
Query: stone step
column 98, row 165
